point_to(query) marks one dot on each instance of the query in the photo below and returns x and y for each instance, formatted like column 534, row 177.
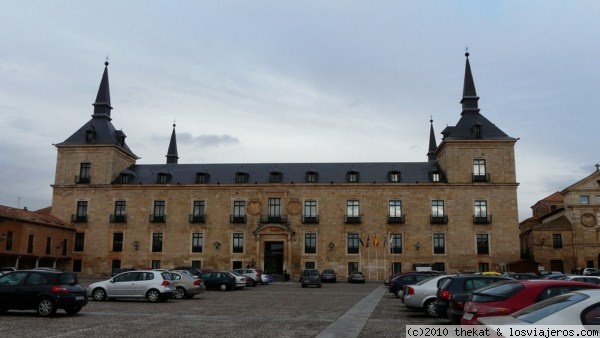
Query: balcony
column 482, row 219
column 197, row 218
column 79, row 218
column 310, row 219
column 352, row 219
column 118, row 218
column 481, row 177
column 396, row 219
column 438, row 219
column 158, row 218
column 273, row 219
column 240, row 219
column 83, row 179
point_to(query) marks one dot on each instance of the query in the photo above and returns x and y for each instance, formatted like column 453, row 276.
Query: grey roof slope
column 100, row 125
column 411, row 172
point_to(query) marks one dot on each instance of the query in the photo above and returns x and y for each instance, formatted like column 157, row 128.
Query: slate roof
column 411, row 172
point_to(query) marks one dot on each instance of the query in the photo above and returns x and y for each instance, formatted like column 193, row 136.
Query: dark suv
column 44, row 291
column 310, row 277
column 452, row 295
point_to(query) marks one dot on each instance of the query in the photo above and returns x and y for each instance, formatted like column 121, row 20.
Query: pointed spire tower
column 172, row 156
column 432, row 143
column 102, row 105
column 470, row 98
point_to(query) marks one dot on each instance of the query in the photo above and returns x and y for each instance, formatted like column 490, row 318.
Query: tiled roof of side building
column 410, row 172
column 25, row 215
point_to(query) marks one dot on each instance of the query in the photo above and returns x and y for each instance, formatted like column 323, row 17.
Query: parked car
column 117, row 271
column 356, row 277
column 152, row 285
column 505, row 297
column 521, row 275
column 554, row 276
column 191, row 269
column 240, row 280
column 42, row 291
column 452, row 295
column 252, row 273
column 584, row 279
column 588, row 271
column 328, row 275
column 422, row 295
column 265, row 278
column 186, row 285
column 310, row 277
column 574, row 308
column 221, row 280
column 397, row 283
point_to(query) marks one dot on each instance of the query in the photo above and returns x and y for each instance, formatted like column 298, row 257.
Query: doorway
column 274, row 258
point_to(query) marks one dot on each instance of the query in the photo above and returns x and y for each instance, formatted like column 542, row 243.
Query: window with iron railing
column 158, row 214
column 480, row 171
column 395, row 215
column 437, row 212
column 81, row 214
column 239, row 212
column 353, row 243
column 198, row 214
column 310, row 214
column 352, row 212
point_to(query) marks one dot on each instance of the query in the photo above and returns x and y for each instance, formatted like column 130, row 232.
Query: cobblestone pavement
column 276, row 310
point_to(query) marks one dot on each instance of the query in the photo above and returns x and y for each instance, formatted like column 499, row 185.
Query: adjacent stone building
column 564, row 234
column 378, row 218
column 31, row 239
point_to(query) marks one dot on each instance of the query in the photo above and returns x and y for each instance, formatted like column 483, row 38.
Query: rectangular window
column 117, row 243
column 65, row 246
column 438, row 215
column 48, row 245
column 483, row 267
column 30, row 244
column 309, row 265
column 120, row 214
column 439, row 266
column 435, row 177
column 155, row 264
column 239, row 212
column 396, row 268
column 480, row 212
column 77, row 265
column 79, row 241
column 198, row 212
column 310, row 243
column 274, row 207
column 312, row 177
column 310, row 212
column 395, row 211
column 352, row 267
column 116, row 264
column 479, row 167
column 158, row 214
column 396, row 244
column 352, row 211
column 157, row 242
column 439, row 244
column 483, row 244
column 9, row 240
column 584, row 199
column 84, row 173
column 197, row 264
column 238, row 243
column 81, row 215
column 353, row 243
column 597, row 199
column 197, row 242
column 236, row 265
column 557, row 242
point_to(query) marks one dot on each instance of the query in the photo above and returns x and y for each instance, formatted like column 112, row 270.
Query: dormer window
column 124, row 178
column 163, row 178
column 312, row 177
column 275, row 177
column 241, row 177
column 202, row 177
column 476, row 130
column 394, row 176
column 90, row 134
column 352, row 176
column 120, row 138
column 435, row 176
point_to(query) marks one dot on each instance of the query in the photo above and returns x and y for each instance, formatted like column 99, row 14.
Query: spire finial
column 106, row 62
column 467, row 51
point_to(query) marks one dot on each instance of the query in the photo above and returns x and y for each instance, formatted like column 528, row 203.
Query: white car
column 149, row 284
column 422, row 294
column 585, row 279
column 573, row 308
column 240, row 280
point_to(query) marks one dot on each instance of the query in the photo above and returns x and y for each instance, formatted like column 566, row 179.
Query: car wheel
column 399, row 293
column 99, row 294
column 153, row 296
column 430, row 308
column 179, row 293
column 46, row 307
column 73, row 310
column 223, row 287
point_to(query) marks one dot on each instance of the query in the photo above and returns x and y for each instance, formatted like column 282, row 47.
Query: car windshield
column 494, row 292
column 543, row 309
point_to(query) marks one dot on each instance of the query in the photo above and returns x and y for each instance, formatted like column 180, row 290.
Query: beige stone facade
column 564, row 233
column 455, row 212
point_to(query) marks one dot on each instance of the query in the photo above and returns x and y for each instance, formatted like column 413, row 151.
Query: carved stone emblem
column 254, row 207
column 588, row 220
column 294, row 207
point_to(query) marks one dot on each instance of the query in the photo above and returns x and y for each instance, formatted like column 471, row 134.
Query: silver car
column 252, row 273
column 186, row 284
column 422, row 294
column 240, row 280
column 149, row 284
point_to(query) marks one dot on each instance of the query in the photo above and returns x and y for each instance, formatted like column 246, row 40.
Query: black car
column 455, row 291
column 220, row 280
column 310, row 277
column 328, row 275
column 396, row 285
column 44, row 291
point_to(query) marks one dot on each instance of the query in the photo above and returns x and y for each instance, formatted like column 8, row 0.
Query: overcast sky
column 299, row 81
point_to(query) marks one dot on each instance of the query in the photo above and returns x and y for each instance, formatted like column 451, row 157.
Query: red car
column 505, row 297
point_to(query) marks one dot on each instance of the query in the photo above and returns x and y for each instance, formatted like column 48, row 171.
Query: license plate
column 79, row 298
column 467, row 316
